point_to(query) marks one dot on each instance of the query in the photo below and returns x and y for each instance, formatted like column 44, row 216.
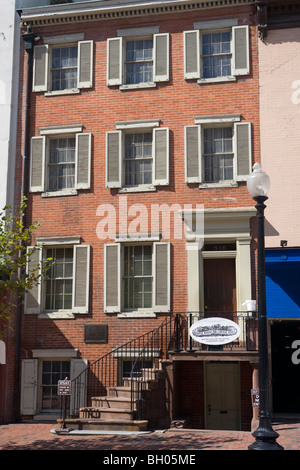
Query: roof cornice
column 113, row 9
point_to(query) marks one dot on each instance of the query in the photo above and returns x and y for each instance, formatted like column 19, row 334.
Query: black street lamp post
column 258, row 184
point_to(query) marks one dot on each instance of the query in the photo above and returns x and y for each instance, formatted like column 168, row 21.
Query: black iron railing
column 145, row 352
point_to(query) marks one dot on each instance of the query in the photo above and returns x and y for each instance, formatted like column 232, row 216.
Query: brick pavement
column 38, row 436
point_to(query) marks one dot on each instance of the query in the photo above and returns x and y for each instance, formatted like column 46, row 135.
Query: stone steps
column 113, row 412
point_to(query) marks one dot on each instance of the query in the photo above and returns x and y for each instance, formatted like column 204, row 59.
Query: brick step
column 106, row 413
column 111, row 402
column 92, row 424
column 121, row 391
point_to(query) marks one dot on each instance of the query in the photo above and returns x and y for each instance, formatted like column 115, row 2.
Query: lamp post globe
column 258, row 184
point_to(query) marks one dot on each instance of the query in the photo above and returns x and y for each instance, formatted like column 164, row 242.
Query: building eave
column 112, row 9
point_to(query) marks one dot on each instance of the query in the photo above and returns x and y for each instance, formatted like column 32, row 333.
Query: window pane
column 64, row 68
column 61, row 164
column 139, row 63
column 59, row 280
column 218, row 156
column 138, row 158
column 216, row 54
column 138, row 281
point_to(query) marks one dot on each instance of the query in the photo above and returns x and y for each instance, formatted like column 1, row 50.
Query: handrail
column 171, row 334
column 135, row 384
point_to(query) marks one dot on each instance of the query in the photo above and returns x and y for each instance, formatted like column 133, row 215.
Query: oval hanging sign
column 215, row 331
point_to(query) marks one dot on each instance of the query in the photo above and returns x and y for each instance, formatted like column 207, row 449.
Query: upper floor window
column 64, row 68
column 59, row 280
column 216, row 54
column 64, row 290
column 218, row 154
column 137, row 277
column 60, row 160
column 215, row 51
column 138, row 57
column 137, row 156
column 63, row 64
column 138, row 159
column 139, row 61
column 62, row 164
column 217, row 150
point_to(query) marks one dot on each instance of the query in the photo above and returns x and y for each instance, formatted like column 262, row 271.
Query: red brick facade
column 175, row 103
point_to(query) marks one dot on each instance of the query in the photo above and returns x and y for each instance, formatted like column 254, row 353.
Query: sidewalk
column 37, row 436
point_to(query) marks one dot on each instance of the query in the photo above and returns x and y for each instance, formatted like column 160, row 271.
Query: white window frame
column 61, row 41
column 119, row 308
column 134, row 34
column 48, row 133
column 63, row 242
column 215, row 26
column 134, row 127
column 202, row 122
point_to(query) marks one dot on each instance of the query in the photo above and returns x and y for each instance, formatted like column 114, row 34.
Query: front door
column 222, row 396
column 219, row 285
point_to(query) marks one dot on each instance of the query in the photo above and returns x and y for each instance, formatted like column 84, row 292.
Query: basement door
column 222, row 395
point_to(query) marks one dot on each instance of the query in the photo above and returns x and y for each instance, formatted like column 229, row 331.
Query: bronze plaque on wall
column 95, row 333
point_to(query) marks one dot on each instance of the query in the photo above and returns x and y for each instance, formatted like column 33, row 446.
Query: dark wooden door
column 219, row 285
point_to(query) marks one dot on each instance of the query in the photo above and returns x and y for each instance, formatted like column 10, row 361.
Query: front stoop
column 113, row 412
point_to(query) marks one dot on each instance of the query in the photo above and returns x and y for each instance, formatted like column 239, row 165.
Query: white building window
column 138, row 159
column 61, row 166
column 63, row 64
column 139, row 61
column 138, row 57
column 218, row 150
column 64, row 290
column 60, row 161
column 216, row 54
column 216, row 51
column 218, row 154
column 137, row 278
column 59, row 280
column 138, row 284
column 137, row 156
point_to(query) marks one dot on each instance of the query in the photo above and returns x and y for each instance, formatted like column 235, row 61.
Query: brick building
column 143, row 120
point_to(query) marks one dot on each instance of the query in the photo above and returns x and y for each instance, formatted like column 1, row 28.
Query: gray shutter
column 83, row 161
column 161, row 285
column 193, row 164
column 161, row 156
column 40, row 68
column 113, row 159
column 85, row 62
column 161, row 57
column 242, row 141
column 112, row 277
column 81, row 277
column 191, row 54
column 78, row 388
column 241, row 63
column 114, row 61
column 37, row 163
column 32, row 301
column 29, row 386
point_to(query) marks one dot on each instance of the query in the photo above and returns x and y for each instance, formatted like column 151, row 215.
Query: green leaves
column 14, row 278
